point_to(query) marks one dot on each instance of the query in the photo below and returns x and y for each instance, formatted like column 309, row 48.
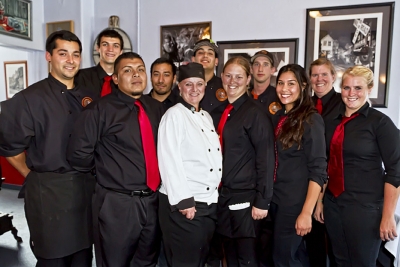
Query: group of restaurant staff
column 203, row 181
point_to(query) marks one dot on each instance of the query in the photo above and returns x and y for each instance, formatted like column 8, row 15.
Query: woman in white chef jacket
column 190, row 163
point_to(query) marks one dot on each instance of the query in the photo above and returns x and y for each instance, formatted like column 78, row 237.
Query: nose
column 352, row 91
column 161, row 79
column 110, row 48
column 70, row 58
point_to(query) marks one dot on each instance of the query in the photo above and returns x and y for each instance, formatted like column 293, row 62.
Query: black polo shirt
column 40, row 120
column 248, row 151
column 170, row 101
column 296, row 167
column 369, row 139
column 93, row 78
column 107, row 136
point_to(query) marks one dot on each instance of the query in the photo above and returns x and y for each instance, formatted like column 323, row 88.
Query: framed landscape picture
column 284, row 51
column 177, row 41
column 353, row 35
column 16, row 18
column 16, row 77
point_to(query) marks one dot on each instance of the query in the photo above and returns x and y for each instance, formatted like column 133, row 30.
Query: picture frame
column 59, row 25
column 353, row 35
column 284, row 51
column 16, row 77
column 16, row 18
column 177, row 41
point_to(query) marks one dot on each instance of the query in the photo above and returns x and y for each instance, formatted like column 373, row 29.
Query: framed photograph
column 16, row 77
column 353, row 35
column 284, row 52
column 59, row 25
column 16, row 18
column 177, row 41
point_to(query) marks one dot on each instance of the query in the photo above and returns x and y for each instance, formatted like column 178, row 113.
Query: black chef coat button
column 208, row 188
column 202, row 114
column 216, row 188
column 218, row 149
column 212, row 130
column 211, row 170
column 202, row 130
column 219, row 169
column 70, row 112
column 209, row 150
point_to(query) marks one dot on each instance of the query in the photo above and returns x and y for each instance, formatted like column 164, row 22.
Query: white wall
column 253, row 19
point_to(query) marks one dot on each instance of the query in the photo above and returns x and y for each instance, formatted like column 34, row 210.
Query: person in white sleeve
column 190, row 163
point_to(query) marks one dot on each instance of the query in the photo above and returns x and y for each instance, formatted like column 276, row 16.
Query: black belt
column 140, row 193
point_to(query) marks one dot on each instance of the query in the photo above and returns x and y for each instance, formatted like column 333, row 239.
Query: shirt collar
column 326, row 98
column 56, row 84
column 127, row 100
column 269, row 88
column 186, row 104
column 239, row 102
column 101, row 72
column 363, row 110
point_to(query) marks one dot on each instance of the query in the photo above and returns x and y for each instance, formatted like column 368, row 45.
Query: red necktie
column 222, row 122
column 149, row 149
column 318, row 106
column 277, row 132
column 106, row 88
column 335, row 164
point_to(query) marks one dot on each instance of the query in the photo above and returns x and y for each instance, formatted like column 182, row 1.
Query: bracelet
column 320, row 200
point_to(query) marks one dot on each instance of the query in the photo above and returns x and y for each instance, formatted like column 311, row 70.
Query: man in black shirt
column 108, row 136
column 163, row 76
column 39, row 120
column 262, row 69
column 206, row 53
column 109, row 45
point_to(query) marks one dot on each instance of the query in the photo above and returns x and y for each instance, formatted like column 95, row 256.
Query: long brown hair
column 293, row 128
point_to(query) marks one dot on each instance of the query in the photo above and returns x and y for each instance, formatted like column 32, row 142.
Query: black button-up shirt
column 331, row 104
column 94, row 78
column 296, row 167
column 369, row 139
column 266, row 98
column 210, row 100
column 107, row 136
column 248, row 151
column 170, row 101
column 40, row 120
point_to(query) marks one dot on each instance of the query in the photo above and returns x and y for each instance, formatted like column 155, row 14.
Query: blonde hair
column 323, row 61
column 241, row 61
column 359, row 71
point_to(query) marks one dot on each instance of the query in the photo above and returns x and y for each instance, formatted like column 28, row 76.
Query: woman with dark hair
column 361, row 195
column 246, row 137
column 300, row 167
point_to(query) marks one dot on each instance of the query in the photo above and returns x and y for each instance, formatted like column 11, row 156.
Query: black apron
column 58, row 211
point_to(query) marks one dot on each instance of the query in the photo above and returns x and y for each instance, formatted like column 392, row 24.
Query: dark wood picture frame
column 17, row 18
column 16, row 77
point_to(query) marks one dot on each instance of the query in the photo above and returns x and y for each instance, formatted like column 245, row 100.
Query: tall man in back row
column 206, row 53
column 109, row 45
column 39, row 120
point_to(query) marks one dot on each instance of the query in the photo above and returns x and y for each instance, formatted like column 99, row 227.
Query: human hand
column 189, row 213
column 387, row 228
column 258, row 214
column 319, row 212
column 303, row 224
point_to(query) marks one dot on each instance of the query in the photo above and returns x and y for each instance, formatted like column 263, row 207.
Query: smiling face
column 162, row 78
column 109, row 50
column 322, row 80
column 288, row 89
column 235, row 81
column 131, row 77
column 192, row 90
column 64, row 60
column 355, row 93
column 206, row 57
column 262, row 70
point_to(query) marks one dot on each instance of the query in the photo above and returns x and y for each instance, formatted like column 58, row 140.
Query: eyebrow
column 105, row 42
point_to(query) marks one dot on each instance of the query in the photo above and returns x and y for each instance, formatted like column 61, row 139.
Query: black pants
column 316, row 242
column 81, row 258
column 128, row 228
column 240, row 252
column 353, row 229
column 187, row 242
column 264, row 230
column 289, row 248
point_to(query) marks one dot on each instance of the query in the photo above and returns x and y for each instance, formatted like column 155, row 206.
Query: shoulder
column 378, row 118
column 87, row 71
column 36, row 89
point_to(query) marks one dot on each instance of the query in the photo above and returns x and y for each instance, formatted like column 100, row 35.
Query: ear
column 248, row 80
column 115, row 78
column 174, row 80
column 48, row 57
column 369, row 90
column 193, row 59
column 304, row 86
column 98, row 48
column 273, row 70
column 216, row 62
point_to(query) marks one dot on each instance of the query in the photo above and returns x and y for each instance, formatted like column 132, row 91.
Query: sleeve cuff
column 393, row 180
column 261, row 203
column 184, row 204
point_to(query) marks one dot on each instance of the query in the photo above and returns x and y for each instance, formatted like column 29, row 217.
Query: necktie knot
column 107, row 78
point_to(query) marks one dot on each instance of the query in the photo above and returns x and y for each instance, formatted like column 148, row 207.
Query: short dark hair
column 112, row 34
column 130, row 55
column 163, row 60
column 61, row 35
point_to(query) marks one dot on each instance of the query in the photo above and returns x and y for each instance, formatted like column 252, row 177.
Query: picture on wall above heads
column 353, row 35
column 51, row 27
column 177, row 41
column 283, row 51
column 16, row 18
column 16, row 77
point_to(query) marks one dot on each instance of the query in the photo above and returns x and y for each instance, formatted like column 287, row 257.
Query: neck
column 108, row 68
column 209, row 74
column 288, row 108
column 260, row 88
column 160, row 98
column 69, row 83
column 233, row 99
